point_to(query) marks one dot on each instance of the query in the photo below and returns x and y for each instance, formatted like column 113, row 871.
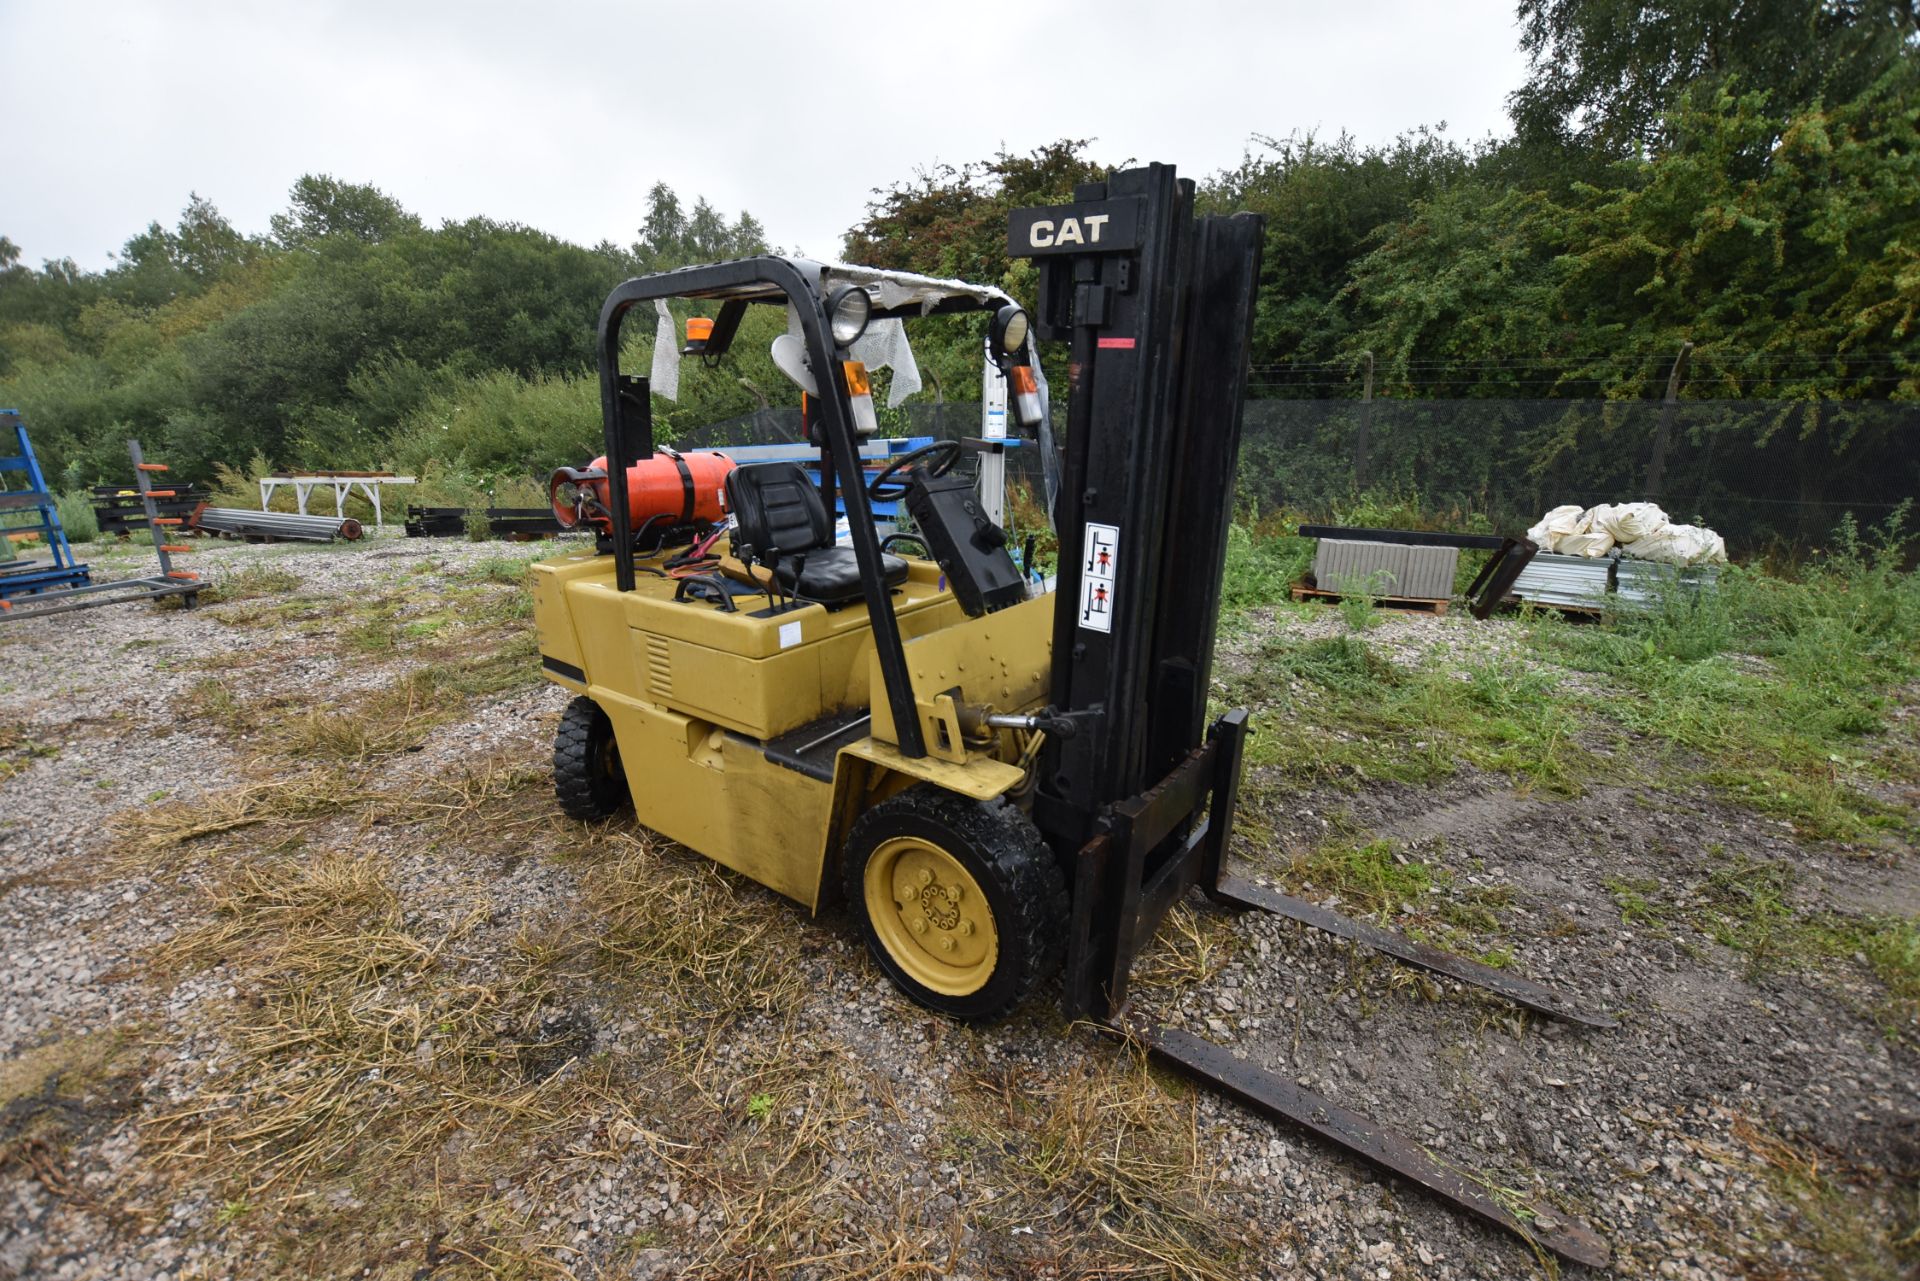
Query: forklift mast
column 1158, row 309
column 1135, row 793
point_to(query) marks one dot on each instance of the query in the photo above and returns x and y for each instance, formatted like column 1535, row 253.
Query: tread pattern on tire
column 583, row 791
column 1018, row 858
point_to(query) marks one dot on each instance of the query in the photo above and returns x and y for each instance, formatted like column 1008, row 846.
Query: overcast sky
column 561, row 115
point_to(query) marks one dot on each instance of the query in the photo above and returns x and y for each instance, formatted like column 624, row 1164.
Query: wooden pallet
column 1411, row 604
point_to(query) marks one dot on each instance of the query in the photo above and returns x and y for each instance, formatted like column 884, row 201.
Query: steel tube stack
column 241, row 523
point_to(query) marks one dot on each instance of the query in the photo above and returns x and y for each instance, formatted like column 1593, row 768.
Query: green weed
column 17, row 750
column 1341, row 710
column 1638, row 898
column 1373, row 878
column 1769, row 684
column 1360, row 599
column 1260, row 569
column 1747, row 905
column 211, row 699
column 255, row 581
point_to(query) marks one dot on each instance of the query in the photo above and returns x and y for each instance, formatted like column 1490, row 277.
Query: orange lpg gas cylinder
column 676, row 488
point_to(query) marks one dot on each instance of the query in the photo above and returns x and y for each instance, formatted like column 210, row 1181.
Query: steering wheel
column 932, row 460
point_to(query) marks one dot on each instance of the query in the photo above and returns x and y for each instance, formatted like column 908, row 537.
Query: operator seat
column 783, row 525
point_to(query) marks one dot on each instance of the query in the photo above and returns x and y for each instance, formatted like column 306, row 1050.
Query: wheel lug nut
column 946, row 945
column 926, row 877
column 917, row 925
column 966, row 927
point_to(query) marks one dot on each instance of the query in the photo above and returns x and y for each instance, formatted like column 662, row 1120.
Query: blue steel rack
column 21, row 576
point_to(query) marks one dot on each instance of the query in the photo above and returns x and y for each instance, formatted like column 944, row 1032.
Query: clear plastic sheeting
column 892, row 290
column 884, row 346
column 664, row 378
column 1049, row 456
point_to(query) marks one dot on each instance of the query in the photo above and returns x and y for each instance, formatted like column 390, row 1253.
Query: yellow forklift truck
column 1001, row 783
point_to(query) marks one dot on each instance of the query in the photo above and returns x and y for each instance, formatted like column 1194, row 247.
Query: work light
column 848, row 310
column 1008, row 332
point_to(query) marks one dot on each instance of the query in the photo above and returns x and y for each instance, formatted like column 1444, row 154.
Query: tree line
column 1742, row 178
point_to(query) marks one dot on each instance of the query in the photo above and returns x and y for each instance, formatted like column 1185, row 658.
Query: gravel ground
column 1682, row 1136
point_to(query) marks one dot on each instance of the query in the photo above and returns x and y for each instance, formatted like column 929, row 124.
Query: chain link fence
column 1768, row 476
column 1771, row 477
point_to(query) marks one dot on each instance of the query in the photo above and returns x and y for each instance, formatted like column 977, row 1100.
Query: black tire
column 587, row 775
column 1002, row 852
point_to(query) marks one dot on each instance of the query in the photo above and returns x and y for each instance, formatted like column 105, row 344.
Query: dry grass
column 381, row 1068
column 1121, row 1149
column 363, row 1053
column 1190, row 947
column 714, row 946
column 166, row 836
column 393, row 718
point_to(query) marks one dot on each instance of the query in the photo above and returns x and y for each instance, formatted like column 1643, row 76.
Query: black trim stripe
column 559, row 668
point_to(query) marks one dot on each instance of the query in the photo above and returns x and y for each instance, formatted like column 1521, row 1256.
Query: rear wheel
column 960, row 903
column 587, row 776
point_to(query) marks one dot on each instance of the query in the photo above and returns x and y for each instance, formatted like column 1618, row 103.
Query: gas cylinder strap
column 686, row 489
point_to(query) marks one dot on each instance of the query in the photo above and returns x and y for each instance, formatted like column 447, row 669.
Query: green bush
column 502, row 425
column 77, row 516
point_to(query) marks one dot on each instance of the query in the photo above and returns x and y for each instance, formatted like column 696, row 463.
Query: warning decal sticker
column 1100, row 552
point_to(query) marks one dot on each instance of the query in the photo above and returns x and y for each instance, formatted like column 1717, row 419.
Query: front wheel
column 587, row 776
column 961, row 903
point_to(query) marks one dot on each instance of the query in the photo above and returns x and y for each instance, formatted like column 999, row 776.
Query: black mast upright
column 1158, row 308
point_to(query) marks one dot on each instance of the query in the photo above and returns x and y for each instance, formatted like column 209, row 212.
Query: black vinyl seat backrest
column 783, row 524
column 779, row 511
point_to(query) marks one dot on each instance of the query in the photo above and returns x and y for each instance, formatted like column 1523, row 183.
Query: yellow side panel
column 551, row 618
column 721, row 797
column 1003, row 659
column 760, row 697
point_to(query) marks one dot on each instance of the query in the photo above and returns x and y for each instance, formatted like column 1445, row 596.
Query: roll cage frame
column 626, row 412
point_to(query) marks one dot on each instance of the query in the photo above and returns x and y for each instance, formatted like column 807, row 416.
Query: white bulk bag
column 1557, row 524
column 1680, row 545
column 1630, row 522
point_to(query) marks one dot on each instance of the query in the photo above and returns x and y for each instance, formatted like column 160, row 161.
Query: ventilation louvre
column 659, row 668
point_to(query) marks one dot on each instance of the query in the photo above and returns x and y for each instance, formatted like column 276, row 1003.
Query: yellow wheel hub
column 931, row 916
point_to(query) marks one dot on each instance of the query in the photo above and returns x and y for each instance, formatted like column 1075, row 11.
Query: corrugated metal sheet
column 1430, row 572
column 1340, row 564
column 1385, row 569
column 1646, row 580
column 1552, row 579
